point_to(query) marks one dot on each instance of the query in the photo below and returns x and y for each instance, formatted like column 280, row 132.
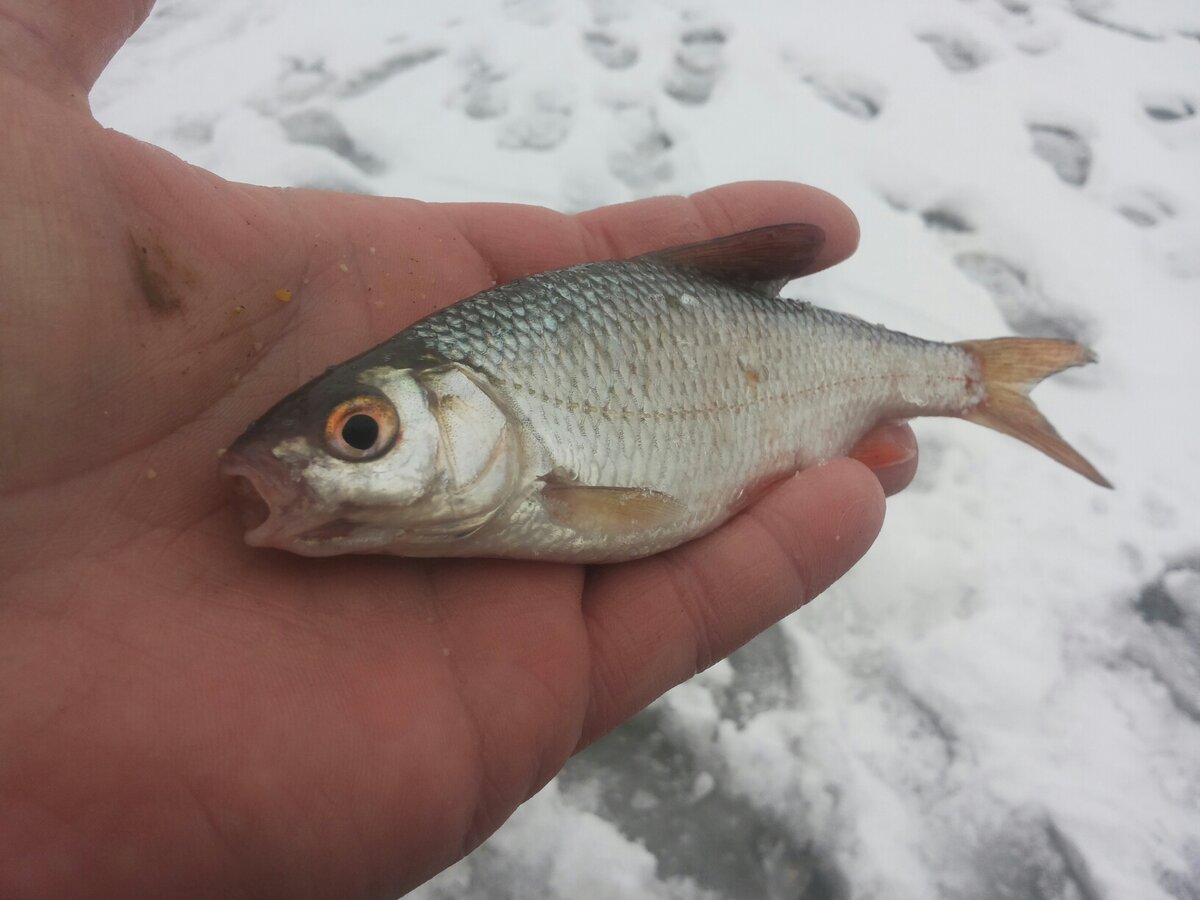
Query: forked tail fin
column 1010, row 369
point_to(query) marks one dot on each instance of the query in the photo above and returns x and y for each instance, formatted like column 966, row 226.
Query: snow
column 1003, row 698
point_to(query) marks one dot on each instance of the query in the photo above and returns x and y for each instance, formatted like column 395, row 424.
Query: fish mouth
column 252, row 509
column 263, row 496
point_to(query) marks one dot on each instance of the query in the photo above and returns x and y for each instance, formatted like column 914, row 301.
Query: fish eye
column 361, row 428
column 360, row 431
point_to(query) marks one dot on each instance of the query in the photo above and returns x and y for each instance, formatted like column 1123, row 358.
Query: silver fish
column 610, row 410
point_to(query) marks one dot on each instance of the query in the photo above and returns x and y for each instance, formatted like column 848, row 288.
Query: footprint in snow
column 1022, row 302
column 855, row 95
column 1101, row 13
column 762, row 678
column 661, row 792
column 609, row 49
column 1162, row 107
column 543, row 126
column 1172, row 598
column 849, row 92
column 957, row 51
column 374, row 74
column 1065, row 150
column 1027, row 32
column 1029, row 855
column 1168, row 647
column 483, row 95
column 697, row 64
column 320, row 128
column 1144, row 207
column 302, row 79
column 641, row 157
column 946, row 218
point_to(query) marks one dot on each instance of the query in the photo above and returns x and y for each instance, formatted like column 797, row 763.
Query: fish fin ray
column 1010, row 369
column 764, row 259
column 879, row 450
column 614, row 509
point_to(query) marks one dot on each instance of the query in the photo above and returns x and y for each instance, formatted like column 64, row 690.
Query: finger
column 890, row 451
column 655, row 622
column 376, row 265
column 644, row 225
column 521, row 240
column 64, row 45
column 382, row 253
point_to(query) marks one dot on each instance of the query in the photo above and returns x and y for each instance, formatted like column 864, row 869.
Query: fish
column 610, row 410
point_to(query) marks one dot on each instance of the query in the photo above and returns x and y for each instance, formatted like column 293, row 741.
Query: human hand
column 182, row 715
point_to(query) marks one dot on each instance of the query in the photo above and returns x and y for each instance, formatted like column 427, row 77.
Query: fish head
column 381, row 459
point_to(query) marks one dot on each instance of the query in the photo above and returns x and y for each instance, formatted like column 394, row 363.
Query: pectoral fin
column 618, row 510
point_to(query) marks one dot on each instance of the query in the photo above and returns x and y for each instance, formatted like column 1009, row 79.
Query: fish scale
column 690, row 424
column 611, row 410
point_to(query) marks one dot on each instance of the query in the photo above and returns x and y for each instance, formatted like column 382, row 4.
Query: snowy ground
column 1003, row 699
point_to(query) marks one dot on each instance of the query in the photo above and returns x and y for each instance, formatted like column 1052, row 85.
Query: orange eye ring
column 362, row 428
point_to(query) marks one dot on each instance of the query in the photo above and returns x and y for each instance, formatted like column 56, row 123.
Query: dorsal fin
column 764, row 258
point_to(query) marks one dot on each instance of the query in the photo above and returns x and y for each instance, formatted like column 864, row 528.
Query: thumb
column 654, row 623
column 64, row 45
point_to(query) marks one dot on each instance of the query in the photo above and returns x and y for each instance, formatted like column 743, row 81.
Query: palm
column 179, row 709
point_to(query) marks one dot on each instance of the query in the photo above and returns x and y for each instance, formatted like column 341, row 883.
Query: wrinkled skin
column 183, row 716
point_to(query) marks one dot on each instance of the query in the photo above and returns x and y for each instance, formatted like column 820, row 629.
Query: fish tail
column 1010, row 368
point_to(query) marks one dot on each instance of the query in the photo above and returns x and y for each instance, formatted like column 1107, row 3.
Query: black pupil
column 360, row 432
